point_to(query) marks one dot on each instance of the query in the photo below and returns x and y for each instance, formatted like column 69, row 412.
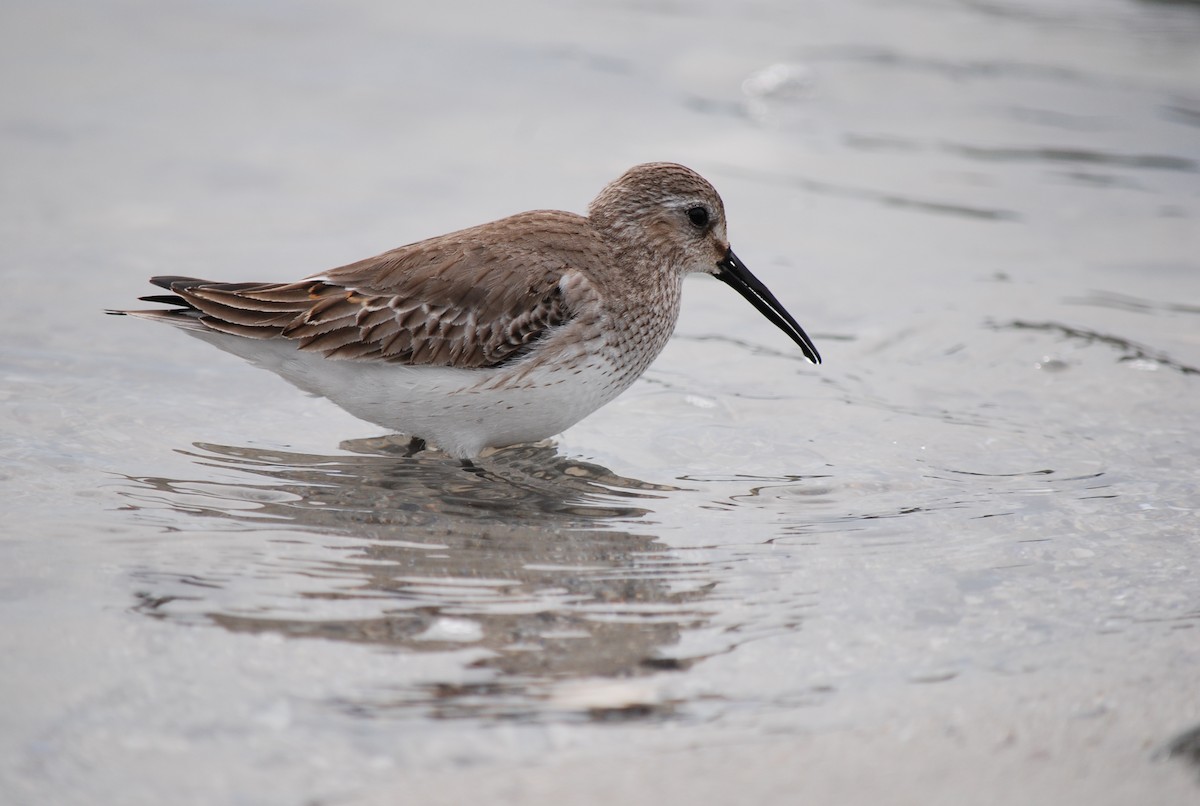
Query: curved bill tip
column 734, row 273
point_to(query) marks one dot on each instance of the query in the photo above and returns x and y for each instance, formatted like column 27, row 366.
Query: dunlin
column 503, row 333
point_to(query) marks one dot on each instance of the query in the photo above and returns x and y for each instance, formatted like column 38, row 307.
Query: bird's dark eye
column 698, row 216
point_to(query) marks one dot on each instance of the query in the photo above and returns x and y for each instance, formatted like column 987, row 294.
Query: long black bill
column 734, row 273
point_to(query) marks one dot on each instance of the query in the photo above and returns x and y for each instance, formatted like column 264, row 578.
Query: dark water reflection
column 528, row 559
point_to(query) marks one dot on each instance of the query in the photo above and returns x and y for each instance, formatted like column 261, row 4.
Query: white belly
column 461, row 411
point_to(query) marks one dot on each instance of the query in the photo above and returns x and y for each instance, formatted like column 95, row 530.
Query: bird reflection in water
column 528, row 556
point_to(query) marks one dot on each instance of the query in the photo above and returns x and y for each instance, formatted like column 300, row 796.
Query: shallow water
column 958, row 558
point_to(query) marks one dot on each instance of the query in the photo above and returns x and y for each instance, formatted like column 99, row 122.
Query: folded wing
column 460, row 300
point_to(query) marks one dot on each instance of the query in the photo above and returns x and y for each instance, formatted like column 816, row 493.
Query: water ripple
column 1130, row 350
column 525, row 560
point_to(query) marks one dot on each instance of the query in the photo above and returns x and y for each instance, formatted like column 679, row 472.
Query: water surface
column 959, row 557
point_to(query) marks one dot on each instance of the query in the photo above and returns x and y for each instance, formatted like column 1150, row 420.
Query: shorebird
column 503, row 333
